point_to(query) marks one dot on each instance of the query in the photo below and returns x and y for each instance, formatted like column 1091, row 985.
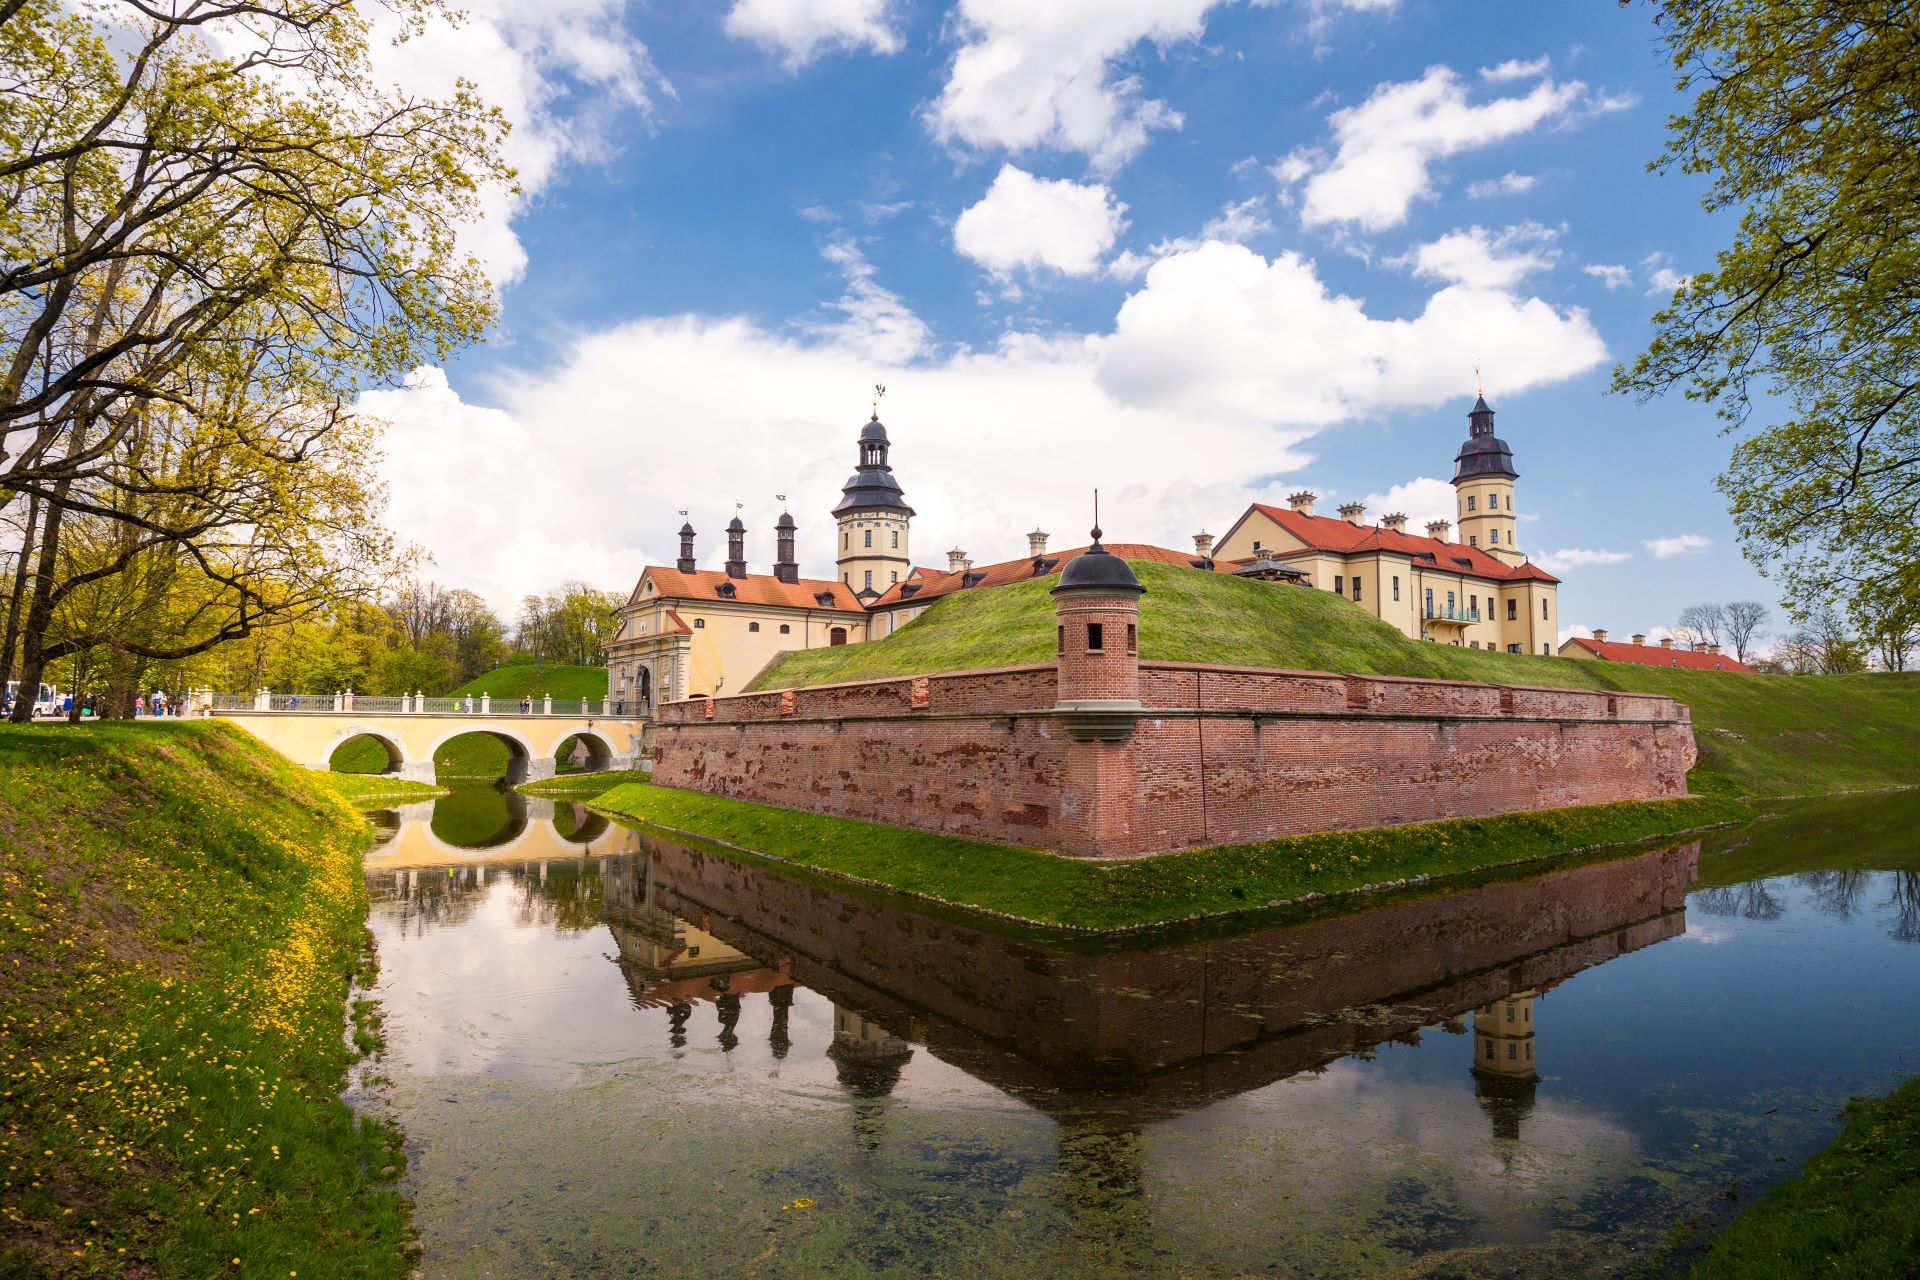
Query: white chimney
column 1640, row 637
column 1352, row 512
column 1203, row 545
column 1303, row 501
column 1036, row 544
column 1600, row 635
column 956, row 561
column 1438, row 529
column 1397, row 522
column 1666, row 642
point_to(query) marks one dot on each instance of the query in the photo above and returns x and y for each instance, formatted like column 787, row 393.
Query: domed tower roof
column 1484, row 453
column 686, row 530
column 872, row 485
column 785, row 521
column 1099, row 568
column 734, row 526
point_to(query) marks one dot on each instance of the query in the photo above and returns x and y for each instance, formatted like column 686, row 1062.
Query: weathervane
column 1479, row 388
column 879, row 389
column 781, row 498
column 683, row 511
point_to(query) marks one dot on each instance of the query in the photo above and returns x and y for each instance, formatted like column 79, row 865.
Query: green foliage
column 1853, row 1211
column 1045, row 888
column 1803, row 119
column 568, row 626
column 582, row 786
column 1767, row 735
column 181, row 914
column 358, row 786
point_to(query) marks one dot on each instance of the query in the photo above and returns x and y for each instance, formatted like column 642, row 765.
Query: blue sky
column 1195, row 254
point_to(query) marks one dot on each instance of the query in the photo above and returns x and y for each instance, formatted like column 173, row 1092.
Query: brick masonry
column 1215, row 755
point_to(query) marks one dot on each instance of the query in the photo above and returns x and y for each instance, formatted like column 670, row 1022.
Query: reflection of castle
column 1503, row 1072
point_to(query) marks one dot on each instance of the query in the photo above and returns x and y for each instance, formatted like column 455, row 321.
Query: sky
column 1194, row 254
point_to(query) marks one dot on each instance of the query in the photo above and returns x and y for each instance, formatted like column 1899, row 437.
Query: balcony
column 1450, row 617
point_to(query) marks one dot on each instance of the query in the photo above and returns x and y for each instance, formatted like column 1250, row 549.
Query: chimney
column 1640, row 638
column 1303, row 501
column 1714, row 649
column 1600, row 635
column 1352, row 511
column 1666, row 642
column 1037, row 544
column 1397, row 522
column 685, row 563
column 785, row 567
column 736, row 548
column 1203, row 545
column 1438, row 529
column 957, row 561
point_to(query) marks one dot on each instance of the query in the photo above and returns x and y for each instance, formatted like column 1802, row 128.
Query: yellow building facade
column 1475, row 589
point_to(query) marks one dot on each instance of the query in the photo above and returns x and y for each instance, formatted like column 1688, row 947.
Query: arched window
column 699, row 623
column 753, row 626
column 785, row 629
column 837, row 636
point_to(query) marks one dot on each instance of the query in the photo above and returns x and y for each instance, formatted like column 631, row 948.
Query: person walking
column 526, row 704
column 139, row 705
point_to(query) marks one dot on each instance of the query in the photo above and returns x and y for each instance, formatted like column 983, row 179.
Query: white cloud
column 1239, row 222
column 1029, row 222
column 1041, row 75
column 1385, row 147
column 1560, row 561
column 1665, row 281
column 564, row 72
column 875, row 322
column 803, row 30
column 1611, row 275
column 1685, row 544
column 1514, row 69
column 1173, row 414
column 1422, row 500
column 1484, row 259
column 1221, row 330
column 1507, row 184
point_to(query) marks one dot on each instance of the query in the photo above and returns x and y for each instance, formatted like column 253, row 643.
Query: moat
column 616, row 1055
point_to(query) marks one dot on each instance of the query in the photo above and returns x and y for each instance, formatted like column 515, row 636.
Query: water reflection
column 1532, row 1076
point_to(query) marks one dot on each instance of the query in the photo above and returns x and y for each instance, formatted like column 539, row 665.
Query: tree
column 568, row 626
column 1700, row 625
column 1888, row 618
column 1822, row 647
column 1803, row 118
column 1744, row 623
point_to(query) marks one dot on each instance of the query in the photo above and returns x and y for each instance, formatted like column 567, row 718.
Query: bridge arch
column 521, row 754
column 396, row 750
column 601, row 752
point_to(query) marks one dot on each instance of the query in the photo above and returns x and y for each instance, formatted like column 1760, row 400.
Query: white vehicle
column 47, row 704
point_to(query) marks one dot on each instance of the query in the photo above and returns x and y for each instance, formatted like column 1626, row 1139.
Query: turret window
column 1095, row 637
column 1543, row 611
column 869, row 537
column 1469, row 502
column 1133, row 638
column 896, row 540
column 869, row 586
column 1494, row 537
column 1493, row 502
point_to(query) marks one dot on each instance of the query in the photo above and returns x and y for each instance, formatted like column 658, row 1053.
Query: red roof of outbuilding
column 1652, row 655
column 755, row 588
column 1323, row 533
column 937, row 583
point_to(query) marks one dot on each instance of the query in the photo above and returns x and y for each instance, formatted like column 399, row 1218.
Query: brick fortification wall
column 1213, row 755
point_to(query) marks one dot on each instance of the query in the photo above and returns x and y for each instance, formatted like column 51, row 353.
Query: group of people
column 159, row 705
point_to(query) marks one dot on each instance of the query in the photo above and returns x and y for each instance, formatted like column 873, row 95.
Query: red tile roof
column 938, row 582
column 756, row 588
column 1652, row 655
column 1323, row 533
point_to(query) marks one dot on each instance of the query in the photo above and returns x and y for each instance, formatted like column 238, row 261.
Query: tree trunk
column 40, row 613
column 20, row 575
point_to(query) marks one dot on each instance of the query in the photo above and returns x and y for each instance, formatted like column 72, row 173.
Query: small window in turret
column 1469, row 502
column 1060, row 645
column 1095, row 633
column 1133, row 638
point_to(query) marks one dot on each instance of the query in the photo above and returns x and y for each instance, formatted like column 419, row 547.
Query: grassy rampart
column 181, row 915
column 535, row 680
column 1043, row 888
column 1759, row 735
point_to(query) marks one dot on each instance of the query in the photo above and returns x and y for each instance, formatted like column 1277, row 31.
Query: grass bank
column 1043, row 888
column 181, row 914
column 1854, row 1210
column 535, row 680
column 359, row 786
column 1764, row 735
column 582, row 786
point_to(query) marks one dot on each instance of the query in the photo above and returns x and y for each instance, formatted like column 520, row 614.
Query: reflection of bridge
column 531, row 832
column 310, row 736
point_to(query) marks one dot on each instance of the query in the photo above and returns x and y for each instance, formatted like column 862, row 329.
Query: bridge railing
column 417, row 704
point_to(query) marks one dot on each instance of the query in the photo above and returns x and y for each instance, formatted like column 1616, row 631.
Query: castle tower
column 1097, row 609
column 1504, row 1077
column 785, row 567
column 873, row 519
column 736, row 548
column 1483, row 477
column 685, row 563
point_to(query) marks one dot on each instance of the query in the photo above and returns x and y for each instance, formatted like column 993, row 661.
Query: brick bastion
column 1099, row 754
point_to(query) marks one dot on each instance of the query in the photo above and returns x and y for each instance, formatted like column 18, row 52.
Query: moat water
column 614, row 1055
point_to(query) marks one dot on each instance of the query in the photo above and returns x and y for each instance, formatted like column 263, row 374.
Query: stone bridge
column 309, row 735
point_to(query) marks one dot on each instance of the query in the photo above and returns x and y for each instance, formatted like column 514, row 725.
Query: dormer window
column 725, row 591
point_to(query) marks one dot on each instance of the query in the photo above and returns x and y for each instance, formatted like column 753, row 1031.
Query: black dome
column 784, row 522
column 874, row 430
column 1484, row 453
column 873, row 485
column 734, row 526
column 686, row 530
column 1099, row 568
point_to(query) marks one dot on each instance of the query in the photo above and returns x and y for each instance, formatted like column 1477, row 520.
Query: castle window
column 1450, row 604
column 896, row 575
column 1060, row 646
column 1543, row 611
column 1469, row 502
column 896, row 540
column 1429, row 601
column 1096, row 634
column 1474, row 541
column 869, row 579
column 1256, row 544
column 1339, row 585
column 869, row 537
column 753, row 626
column 844, row 543
column 1133, row 639
column 1513, row 648
column 1493, row 502
column 1512, row 608
column 785, row 629
column 1356, row 588
column 1396, row 586
column 699, row 623
column 837, row 636
column 1494, row 537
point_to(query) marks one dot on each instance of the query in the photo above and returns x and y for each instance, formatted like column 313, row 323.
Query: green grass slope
column 535, row 680
column 181, row 913
column 1765, row 735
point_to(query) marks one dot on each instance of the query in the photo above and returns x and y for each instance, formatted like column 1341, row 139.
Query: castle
column 686, row 632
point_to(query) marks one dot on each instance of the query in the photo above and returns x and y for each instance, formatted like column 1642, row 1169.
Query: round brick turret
column 1097, row 612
